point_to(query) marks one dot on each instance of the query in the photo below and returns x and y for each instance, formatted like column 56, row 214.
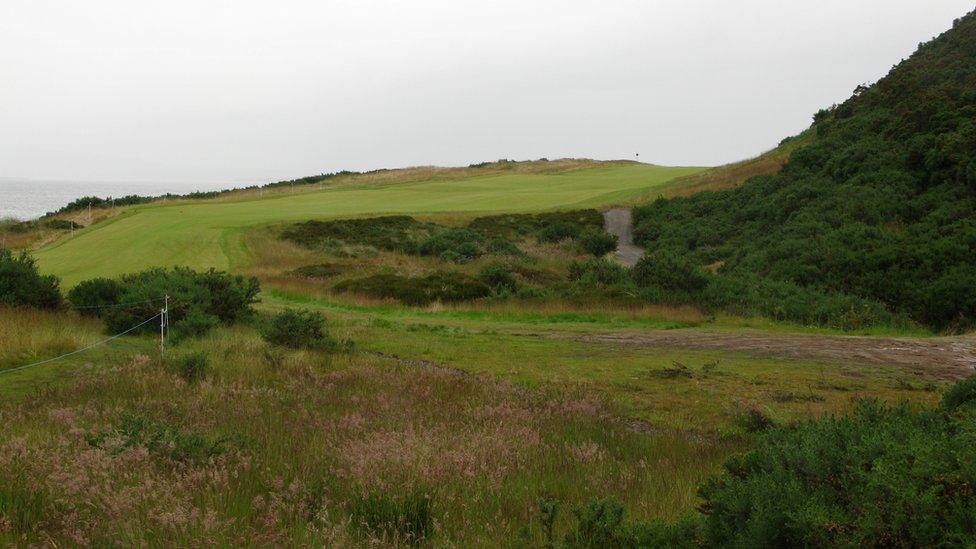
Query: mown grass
column 208, row 233
column 278, row 447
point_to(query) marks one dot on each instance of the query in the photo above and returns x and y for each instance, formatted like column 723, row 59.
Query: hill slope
column 876, row 216
column 208, row 233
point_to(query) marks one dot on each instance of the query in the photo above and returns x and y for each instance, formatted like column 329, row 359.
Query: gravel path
column 618, row 221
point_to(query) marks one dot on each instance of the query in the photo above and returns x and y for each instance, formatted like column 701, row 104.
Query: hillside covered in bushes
column 873, row 221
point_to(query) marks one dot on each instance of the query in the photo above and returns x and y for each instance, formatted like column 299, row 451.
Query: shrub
column 193, row 367
column 196, row 323
column 596, row 242
column 396, row 233
column 600, row 523
column 458, row 245
column 508, row 225
column 502, row 246
column 446, row 286
column 670, row 272
column 134, row 429
column 961, row 393
column 22, row 286
column 881, row 476
column 321, row 270
column 408, row 519
column 298, row 329
column 92, row 297
column 595, row 272
column 559, row 231
column 217, row 294
column 499, row 278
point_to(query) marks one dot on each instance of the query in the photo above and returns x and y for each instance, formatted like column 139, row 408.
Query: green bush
column 320, row 270
column 499, row 278
column 881, row 476
column 193, row 367
column 22, row 286
column 193, row 295
column 598, row 272
column 196, row 323
column 520, row 225
column 559, row 231
column 446, row 286
column 397, row 233
column 960, row 394
column 596, row 242
column 159, row 438
column 298, row 329
column 601, row 523
column 458, row 245
column 671, row 272
column 94, row 296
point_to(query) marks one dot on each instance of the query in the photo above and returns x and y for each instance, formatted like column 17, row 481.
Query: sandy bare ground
column 618, row 221
column 943, row 357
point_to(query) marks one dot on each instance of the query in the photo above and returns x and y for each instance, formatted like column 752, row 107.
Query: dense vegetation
column 881, row 476
column 875, row 218
column 198, row 300
column 22, row 286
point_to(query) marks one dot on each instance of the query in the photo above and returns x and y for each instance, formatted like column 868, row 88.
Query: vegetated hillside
column 874, row 219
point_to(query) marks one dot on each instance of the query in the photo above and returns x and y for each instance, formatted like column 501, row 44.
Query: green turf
column 210, row 234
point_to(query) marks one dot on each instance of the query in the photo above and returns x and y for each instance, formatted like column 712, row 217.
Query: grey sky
column 253, row 91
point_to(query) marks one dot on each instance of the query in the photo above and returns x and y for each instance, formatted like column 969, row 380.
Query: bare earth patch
column 946, row 358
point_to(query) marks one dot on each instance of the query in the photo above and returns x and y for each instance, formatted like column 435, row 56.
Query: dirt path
column 944, row 357
column 618, row 221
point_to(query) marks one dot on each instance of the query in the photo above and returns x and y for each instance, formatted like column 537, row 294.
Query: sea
column 27, row 199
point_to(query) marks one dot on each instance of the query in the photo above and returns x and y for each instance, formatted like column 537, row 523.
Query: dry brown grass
column 729, row 175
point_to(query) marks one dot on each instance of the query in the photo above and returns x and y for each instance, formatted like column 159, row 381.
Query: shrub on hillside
column 559, row 231
column 596, row 242
column 193, row 295
column 445, row 286
column 881, row 476
column 598, row 272
column 395, row 233
column 671, row 272
column 499, row 278
column 457, row 245
column 298, row 329
column 519, row 225
column 320, row 270
column 22, row 286
column 94, row 296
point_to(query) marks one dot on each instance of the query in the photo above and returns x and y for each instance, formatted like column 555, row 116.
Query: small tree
column 21, row 284
column 93, row 297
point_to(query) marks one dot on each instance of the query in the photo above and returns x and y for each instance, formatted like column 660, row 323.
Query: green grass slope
column 204, row 234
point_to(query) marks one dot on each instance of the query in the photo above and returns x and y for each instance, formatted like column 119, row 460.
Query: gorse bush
column 881, row 476
column 445, row 286
column 298, row 329
column 22, row 286
column 91, row 297
column 202, row 299
column 499, row 278
column 596, row 242
column 457, row 245
column 879, row 208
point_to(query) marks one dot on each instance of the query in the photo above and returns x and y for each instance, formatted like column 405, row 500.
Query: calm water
column 29, row 199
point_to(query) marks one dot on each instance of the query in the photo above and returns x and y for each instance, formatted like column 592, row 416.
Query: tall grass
column 29, row 334
column 304, row 448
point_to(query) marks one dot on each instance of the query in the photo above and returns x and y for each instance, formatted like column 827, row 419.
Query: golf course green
column 203, row 234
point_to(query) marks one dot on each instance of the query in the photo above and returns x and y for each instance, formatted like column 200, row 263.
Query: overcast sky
column 189, row 90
